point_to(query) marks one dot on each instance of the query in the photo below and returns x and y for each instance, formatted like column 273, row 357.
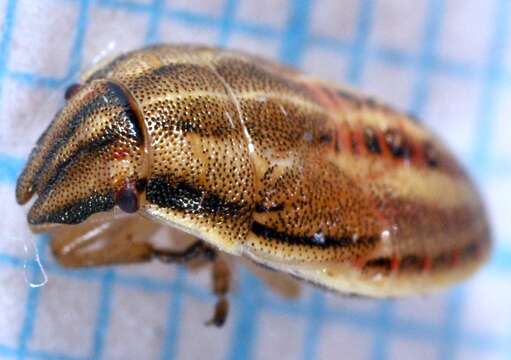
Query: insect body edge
column 263, row 161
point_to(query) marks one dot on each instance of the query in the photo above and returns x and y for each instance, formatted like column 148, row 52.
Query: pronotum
column 256, row 160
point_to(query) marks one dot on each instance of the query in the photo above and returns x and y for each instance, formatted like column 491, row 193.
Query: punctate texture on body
column 262, row 161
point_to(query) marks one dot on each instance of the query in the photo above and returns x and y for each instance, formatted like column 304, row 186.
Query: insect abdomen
column 300, row 175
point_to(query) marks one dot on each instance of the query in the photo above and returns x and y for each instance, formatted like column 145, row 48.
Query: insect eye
column 127, row 198
column 71, row 90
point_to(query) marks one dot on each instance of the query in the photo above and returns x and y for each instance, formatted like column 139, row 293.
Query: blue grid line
column 384, row 322
column 244, row 332
column 35, row 80
column 179, row 15
column 329, row 43
column 214, row 22
column 9, row 168
column 131, row 6
column 45, row 355
column 363, row 29
column 10, row 261
column 293, row 38
column 456, row 69
column 433, row 24
column 419, row 95
column 402, row 58
column 6, row 39
column 7, row 352
column 452, row 68
column 394, row 57
column 256, row 30
column 452, row 324
column 191, row 18
column 456, row 299
column 147, row 284
column 414, row 330
column 365, row 22
column 494, row 72
column 500, row 265
column 418, row 331
column 40, row 355
column 156, row 10
column 389, row 55
column 32, row 303
column 174, row 316
column 386, row 55
column 75, row 56
column 315, row 320
column 229, row 14
column 501, row 260
column 103, row 314
column 53, row 82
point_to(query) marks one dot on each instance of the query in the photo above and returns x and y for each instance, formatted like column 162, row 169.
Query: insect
column 256, row 160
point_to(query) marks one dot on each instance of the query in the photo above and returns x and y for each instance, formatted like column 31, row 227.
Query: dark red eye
column 127, row 198
column 71, row 90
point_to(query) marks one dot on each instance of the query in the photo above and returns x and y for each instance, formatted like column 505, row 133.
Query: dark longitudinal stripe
column 117, row 100
column 412, row 263
column 397, row 144
column 360, row 101
column 325, row 138
column 371, row 141
column 123, row 99
column 76, row 212
column 317, row 240
column 90, row 147
column 182, row 196
column 352, row 98
column 384, row 263
column 193, row 126
column 261, row 208
column 71, row 127
column 430, row 155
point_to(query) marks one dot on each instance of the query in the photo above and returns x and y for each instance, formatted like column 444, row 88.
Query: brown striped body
column 265, row 162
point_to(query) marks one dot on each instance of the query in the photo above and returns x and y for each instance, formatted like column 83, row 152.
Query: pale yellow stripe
column 427, row 186
column 261, row 96
column 82, row 135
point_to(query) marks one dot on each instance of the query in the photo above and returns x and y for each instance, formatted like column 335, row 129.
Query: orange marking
column 455, row 257
column 120, row 154
column 337, row 147
column 478, row 250
column 357, row 140
column 385, row 151
column 417, row 154
column 426, row 265
column 394, row 264
column 334, row 100
column 359, row 263
column 344, row 134
column 320, row 94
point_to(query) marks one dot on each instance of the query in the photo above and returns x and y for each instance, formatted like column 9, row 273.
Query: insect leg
column 194, row 251
column 220, row 273
column 221, row 277
column 103, row 243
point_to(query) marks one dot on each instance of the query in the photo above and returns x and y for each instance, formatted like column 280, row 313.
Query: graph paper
column 447, row 61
